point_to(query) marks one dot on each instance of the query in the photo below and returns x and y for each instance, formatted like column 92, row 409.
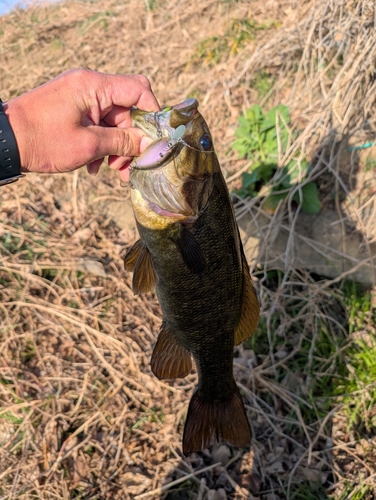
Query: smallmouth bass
column 190, row 251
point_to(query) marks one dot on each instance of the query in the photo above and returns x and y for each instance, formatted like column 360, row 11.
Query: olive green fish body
column 190, row 251
column 202, row 309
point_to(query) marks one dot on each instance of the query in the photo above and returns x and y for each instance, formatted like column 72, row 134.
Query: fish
column 191, row 253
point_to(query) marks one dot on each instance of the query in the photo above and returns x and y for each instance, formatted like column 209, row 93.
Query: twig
column 166, row 487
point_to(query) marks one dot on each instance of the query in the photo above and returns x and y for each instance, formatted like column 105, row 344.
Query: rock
column 221, row 453
column 90, row 266
column 316, row 244
column 325, row 244
column 219, row 494
column 121, row 212
column 135, row 483
column 82, row 235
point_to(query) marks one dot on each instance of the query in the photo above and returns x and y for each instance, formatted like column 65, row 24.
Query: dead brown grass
column 81, row 415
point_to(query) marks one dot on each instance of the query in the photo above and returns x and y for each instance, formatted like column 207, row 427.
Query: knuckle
column 78, row 75
column 125, row 143
column 143, row 81
column 90, row 147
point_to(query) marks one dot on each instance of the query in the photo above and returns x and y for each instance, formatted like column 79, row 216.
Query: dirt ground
column 81, row 414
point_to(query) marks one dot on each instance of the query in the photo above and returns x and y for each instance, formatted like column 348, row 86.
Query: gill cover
column 172, row 179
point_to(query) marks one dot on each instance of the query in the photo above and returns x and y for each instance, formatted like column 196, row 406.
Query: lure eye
column 206, row 143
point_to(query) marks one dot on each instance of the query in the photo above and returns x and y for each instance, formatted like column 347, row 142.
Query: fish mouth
column 163, row 123
column 167, row 128
column 159, row 175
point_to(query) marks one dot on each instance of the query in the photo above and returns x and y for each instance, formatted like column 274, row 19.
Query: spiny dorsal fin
column 132, row 256
column 250, row 308
column 190, row 250
column 210, row 421
column 144, row 275
column 170, row 359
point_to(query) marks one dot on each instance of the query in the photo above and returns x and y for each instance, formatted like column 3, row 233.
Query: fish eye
column 206, row 143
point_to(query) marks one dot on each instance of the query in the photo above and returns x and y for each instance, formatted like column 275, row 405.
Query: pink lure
column 158, row 152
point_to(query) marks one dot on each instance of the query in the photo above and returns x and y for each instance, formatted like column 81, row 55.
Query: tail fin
column 210, row 422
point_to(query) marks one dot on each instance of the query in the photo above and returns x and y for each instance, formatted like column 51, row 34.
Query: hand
column 79, row 118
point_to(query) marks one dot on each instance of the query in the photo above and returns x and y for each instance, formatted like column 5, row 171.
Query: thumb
column 115, row 141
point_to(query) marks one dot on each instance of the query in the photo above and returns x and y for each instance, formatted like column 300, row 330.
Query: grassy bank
column 81, row 415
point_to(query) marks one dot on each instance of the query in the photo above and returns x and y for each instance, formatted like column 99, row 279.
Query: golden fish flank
column 190, row 251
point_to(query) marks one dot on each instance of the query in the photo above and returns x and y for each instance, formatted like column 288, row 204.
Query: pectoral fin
column 169, row 359
column 138, row 260
column 250, row 308
column 131, row 258
column 190, row 250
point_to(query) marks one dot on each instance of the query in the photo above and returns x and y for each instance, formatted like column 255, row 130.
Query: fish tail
column 210, row 422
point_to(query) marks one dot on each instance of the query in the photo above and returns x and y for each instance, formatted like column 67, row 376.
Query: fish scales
column 199, row 308
column 191, row 252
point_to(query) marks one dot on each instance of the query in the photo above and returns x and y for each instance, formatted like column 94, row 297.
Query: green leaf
column 241, row 148
column 271, row 144
column 243, row 124
column 249, row 179
column 270, row 203
column 294, row 172
column 311, row 202
column 266, row 171
column 254, row 113
column 271, row 116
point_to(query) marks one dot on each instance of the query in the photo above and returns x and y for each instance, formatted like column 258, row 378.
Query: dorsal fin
column 250, row 308
column 170, row 359
column 138, row 260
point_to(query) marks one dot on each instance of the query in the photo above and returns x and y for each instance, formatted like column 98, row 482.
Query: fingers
column 118, row 162
column 114, row 141
column 118, row 116
column 94, row 166
column 120, row 145
column 131, row 90
column 124, row 173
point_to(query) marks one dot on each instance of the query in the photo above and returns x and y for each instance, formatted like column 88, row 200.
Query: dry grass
column 81, row 414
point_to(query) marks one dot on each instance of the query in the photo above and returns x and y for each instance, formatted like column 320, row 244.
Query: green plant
column 218, row 48
column 184, row 491
column 99, row 19
column 11, row 418
column 357, row 492
column 29, row 351
column 150, row 4
column 359, row 387
column 262, row 83
column 265, row 137
column 355, row 386
column 370, row 164
column 306, row 491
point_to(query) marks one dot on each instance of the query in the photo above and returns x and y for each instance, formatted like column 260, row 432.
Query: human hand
column 77, row 119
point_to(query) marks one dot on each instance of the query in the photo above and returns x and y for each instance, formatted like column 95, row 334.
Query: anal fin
column 209, row 422
column 138, row 260
column 250, row 308
column 170, row 359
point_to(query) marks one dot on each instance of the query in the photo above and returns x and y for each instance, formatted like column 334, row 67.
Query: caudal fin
column 210, row 422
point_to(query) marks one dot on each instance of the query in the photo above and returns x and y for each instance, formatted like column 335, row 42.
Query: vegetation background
column 81, row 415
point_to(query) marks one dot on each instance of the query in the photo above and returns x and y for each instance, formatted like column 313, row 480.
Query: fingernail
column 145, row 142
column 92, row 169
